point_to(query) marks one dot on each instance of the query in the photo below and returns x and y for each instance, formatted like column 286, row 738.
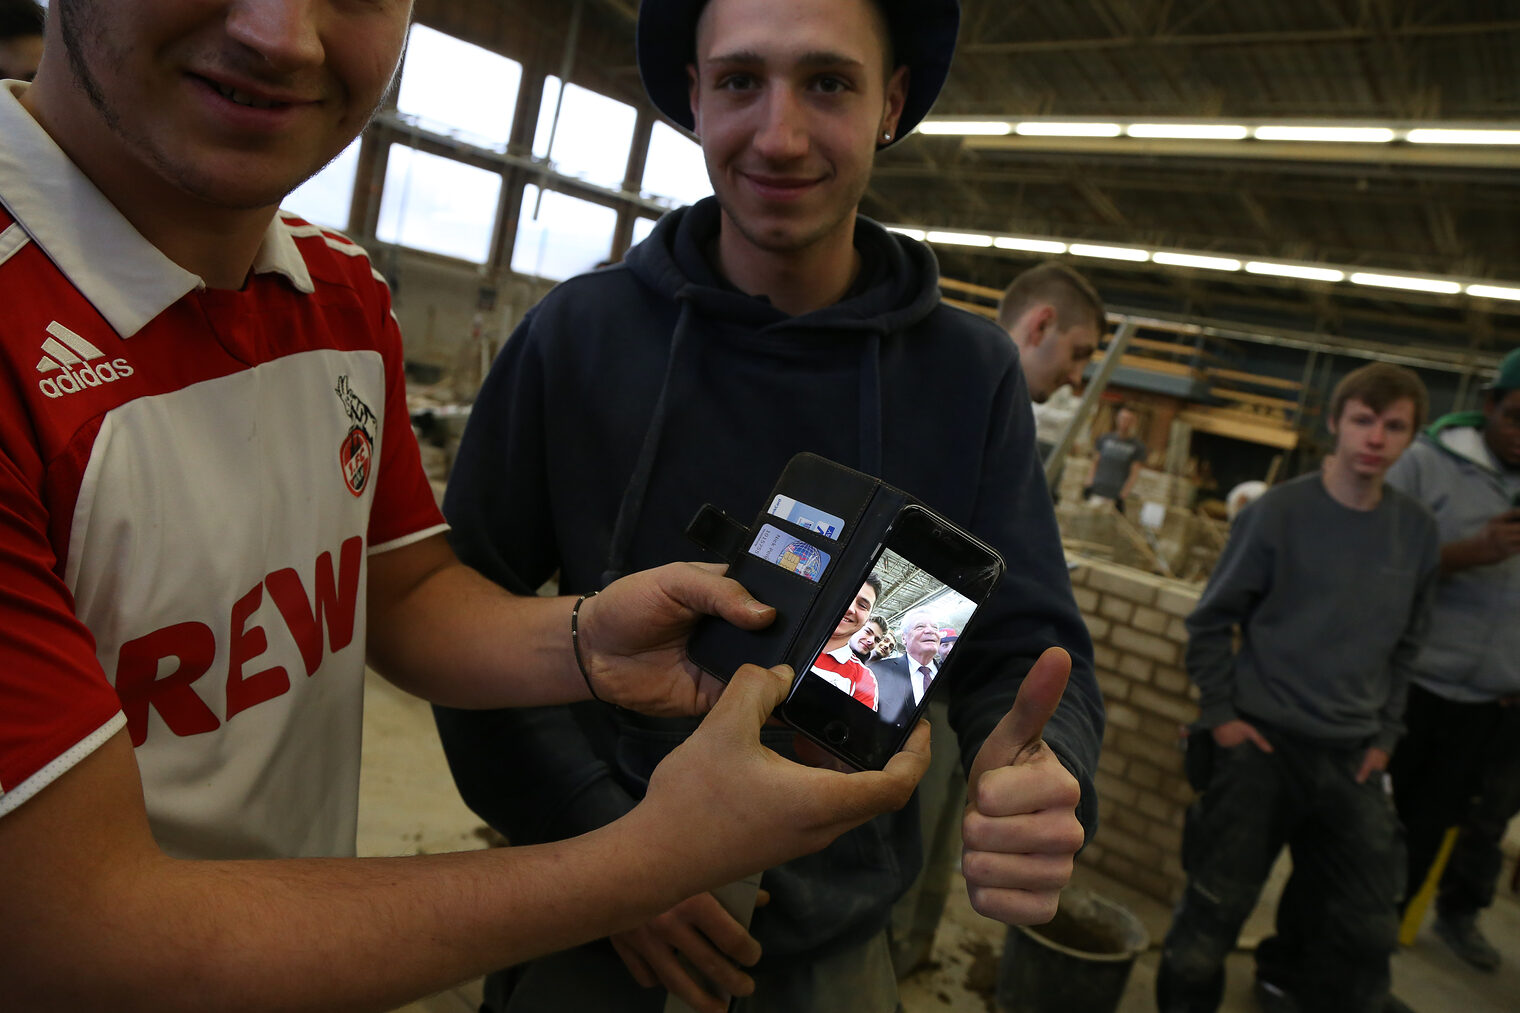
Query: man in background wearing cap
column 767, row 321
column 1459, row 763
column 1055, row 316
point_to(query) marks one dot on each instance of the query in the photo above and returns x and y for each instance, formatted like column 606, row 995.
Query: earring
column 887, row 136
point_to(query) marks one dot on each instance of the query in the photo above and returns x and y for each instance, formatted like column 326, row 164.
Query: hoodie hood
column 1461, row 435
column 898, row 284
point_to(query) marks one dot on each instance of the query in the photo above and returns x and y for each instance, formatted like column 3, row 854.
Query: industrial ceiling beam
column 1291, row 37
column 1422, row 155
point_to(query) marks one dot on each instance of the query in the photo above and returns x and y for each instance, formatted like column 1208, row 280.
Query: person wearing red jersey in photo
column 837, row 664
column 212, row 514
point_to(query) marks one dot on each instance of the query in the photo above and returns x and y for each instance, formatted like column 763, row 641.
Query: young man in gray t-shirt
column 1327, row 579
column 1117, row 457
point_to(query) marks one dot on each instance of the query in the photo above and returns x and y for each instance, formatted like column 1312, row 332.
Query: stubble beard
column 789, row 243
column 79, row 29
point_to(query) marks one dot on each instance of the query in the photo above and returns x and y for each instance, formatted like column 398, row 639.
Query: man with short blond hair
column 1055, row 317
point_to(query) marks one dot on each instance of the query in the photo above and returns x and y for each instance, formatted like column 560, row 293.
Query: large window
column 593, row 137
column 674, row 169
column 568, row 235
column 327, row 197
column 438, row 204
column 642, row 227
column 454, row 87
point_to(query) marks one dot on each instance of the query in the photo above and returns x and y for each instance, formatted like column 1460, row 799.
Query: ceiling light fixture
column 982, row 128
column 1110, row 252
column 1493, row 292
column 1302, row 271
column 1030, row 245
column 959, row 239
column 1406, row 282
column 1358, row 135
column 917, row 234
column 1042, row 129
column 1428, row 135
column 1188, row 131
column 1196, row 260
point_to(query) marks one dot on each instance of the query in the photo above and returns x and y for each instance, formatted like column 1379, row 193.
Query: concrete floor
column 408, row 805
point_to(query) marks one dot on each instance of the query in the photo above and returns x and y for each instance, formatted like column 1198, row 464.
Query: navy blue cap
column 923, row 36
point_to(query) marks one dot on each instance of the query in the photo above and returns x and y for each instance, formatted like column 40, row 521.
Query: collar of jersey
column 127, row 279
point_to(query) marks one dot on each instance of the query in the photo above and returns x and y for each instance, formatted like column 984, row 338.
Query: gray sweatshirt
column 1471, row 653
column 1330, row 603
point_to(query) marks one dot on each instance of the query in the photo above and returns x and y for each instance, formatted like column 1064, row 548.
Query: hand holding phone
column 851, row 565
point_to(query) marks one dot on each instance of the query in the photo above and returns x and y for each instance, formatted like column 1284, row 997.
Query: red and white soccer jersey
column 842, row 670
column 191, row 481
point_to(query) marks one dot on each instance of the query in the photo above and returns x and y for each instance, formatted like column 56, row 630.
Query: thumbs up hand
column 1021, row 831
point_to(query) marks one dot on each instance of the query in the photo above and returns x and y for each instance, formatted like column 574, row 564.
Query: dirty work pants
column 1338, row 922
column 1458, row 765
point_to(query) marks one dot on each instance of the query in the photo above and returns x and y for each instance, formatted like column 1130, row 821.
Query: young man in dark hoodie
column 1300, row 648
column 767, row 321
column 1460, row 763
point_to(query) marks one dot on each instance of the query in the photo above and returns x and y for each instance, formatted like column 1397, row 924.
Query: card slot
column 813, row 585
column 823, row 543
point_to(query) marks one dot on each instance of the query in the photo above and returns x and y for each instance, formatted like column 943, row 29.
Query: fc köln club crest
column 356, row 453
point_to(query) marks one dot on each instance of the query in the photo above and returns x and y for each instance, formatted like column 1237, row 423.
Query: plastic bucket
column 1078, row 963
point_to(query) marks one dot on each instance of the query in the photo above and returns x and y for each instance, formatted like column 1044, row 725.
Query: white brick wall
column 1138, row 639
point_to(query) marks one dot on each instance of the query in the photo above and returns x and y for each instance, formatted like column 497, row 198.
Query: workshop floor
column 408, row 805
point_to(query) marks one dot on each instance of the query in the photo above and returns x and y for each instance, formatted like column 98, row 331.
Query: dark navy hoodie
column 631, row 396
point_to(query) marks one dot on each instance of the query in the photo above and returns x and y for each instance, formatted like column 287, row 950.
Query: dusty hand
column 707, row 936
column 1020, row 830
column 1375, row 760
column 1233, row 733
column 633, row 636
column 722, row 805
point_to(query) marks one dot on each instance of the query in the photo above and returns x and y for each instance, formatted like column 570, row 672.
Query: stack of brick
column 1168, row 490
column 1138, row 640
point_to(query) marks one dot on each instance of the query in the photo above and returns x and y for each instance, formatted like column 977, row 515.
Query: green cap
column 1508, row 377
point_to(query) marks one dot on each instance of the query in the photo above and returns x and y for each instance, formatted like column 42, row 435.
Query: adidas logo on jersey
column 70, row 364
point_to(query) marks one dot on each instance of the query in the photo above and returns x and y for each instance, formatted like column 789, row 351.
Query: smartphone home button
column 837, row 732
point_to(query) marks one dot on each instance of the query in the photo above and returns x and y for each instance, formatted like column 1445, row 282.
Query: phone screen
column 894, row 640
column 890, row 645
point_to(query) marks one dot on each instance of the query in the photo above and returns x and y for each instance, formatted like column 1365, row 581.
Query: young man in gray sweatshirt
column 1327, row 580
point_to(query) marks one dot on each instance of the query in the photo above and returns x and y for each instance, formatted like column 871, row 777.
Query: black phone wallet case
column 807, row 553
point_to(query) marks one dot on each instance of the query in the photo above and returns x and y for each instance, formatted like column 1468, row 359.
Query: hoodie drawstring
column 632, row 504
column 870, row 405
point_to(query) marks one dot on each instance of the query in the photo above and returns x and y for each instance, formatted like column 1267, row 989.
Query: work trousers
column 1458, row 765
column 941, row 808
column 1337, row 924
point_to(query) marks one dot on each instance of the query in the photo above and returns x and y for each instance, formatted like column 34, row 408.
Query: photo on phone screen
column 893, row 639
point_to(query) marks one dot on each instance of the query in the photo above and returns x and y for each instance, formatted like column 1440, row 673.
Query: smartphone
column 933, row 578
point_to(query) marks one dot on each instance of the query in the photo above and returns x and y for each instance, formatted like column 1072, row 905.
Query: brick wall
column 1138, row 639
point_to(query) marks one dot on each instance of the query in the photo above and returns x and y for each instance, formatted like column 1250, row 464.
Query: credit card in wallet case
column 789, row 552
column 805, row 516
